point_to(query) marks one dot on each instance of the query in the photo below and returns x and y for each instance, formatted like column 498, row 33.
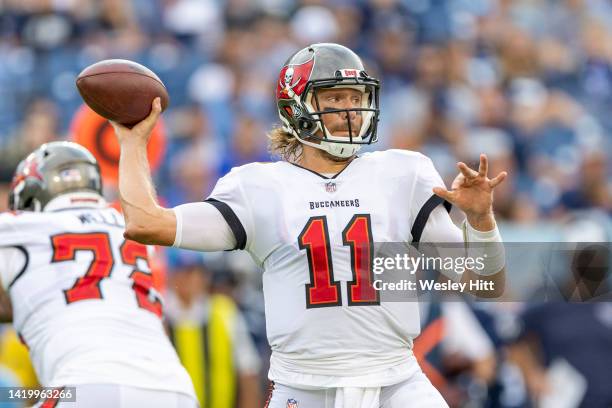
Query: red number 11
column 323, row 290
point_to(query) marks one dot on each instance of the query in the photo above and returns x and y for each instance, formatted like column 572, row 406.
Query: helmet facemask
column 311, row 128
column 326, row 66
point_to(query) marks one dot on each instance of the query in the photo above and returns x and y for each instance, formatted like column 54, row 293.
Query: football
column 121, row 90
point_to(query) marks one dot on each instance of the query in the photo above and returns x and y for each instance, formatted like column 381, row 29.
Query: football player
column 310, row 221
column 81, row 294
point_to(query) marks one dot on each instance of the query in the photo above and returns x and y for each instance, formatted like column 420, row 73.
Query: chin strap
column 342, row 150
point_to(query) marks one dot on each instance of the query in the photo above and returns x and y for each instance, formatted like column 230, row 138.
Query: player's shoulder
column 28, row 221
column 396, row 159
column 402, row 155
column 46, row 222
column 255, row 167
column 253, row 171
column 17, row 219
column 7, row 221
column 17, row 228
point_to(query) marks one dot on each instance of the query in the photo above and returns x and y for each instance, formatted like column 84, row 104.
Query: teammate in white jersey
column 310, row 221
column 81, row 294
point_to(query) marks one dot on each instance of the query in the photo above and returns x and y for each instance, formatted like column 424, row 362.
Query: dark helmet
column 319, row 66
column 53, row 169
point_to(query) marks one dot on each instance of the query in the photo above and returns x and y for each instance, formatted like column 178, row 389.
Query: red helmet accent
column 293, row 78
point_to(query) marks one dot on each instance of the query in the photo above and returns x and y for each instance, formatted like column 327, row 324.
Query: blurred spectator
column 593, row 188
column 211, row 337
column 563, row 349
column 40, row 125
column 455, row 352
column 314, row 24
column 194, row 156
column 563, row 352
column 15, row 363
column 510, row 203
column 245, row 144
column 518, row 55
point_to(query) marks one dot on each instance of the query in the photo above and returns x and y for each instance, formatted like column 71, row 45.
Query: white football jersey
column 325, row 323
column 83, row 301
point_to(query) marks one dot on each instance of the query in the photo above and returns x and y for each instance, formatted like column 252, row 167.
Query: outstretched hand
column 472, row 191
column 142, row 130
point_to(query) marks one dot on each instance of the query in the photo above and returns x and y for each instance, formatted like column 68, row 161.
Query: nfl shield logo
column 291, row 403
column 330, row 187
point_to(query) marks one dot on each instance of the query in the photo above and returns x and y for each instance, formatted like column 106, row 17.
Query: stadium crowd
column 528, row 82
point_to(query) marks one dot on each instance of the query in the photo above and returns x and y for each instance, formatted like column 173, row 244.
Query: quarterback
column 81, row 294
column 310, row 221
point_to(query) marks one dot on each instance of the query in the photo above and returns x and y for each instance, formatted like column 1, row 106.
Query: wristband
column 487, row 245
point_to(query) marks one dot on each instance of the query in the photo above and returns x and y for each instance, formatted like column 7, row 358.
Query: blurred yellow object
column 205, row 349
column 15, row 357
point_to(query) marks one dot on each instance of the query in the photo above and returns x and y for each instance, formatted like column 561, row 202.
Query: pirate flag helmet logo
column 293, row 79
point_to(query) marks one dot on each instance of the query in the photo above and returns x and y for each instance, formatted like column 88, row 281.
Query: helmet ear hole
column 28, row 204
column 53, row 169
column 306, row 124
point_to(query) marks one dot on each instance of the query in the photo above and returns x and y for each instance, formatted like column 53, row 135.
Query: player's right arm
column 146, row 221
column 198, row 226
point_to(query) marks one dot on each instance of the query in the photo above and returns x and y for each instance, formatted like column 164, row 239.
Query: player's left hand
column 472, row 191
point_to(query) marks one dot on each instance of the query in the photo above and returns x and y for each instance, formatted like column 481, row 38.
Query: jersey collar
column 324, row 176
column 75, row 200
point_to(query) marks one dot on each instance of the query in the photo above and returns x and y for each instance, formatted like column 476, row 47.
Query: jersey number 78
column 65, row 247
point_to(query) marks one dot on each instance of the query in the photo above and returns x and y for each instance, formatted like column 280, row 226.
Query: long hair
column 284, row 144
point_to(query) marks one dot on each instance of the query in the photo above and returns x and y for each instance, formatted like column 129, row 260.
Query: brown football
column 121, row 90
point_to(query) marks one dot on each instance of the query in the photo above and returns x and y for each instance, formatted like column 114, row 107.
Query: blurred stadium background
column 529, row 82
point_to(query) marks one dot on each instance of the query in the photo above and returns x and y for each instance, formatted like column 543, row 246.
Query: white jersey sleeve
column 424, row 200
column 13, row 258
column 229, row 198
column 201, row 227
column 12, row 262
column 440, row 228
column 12, row 234
column 238, row 209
